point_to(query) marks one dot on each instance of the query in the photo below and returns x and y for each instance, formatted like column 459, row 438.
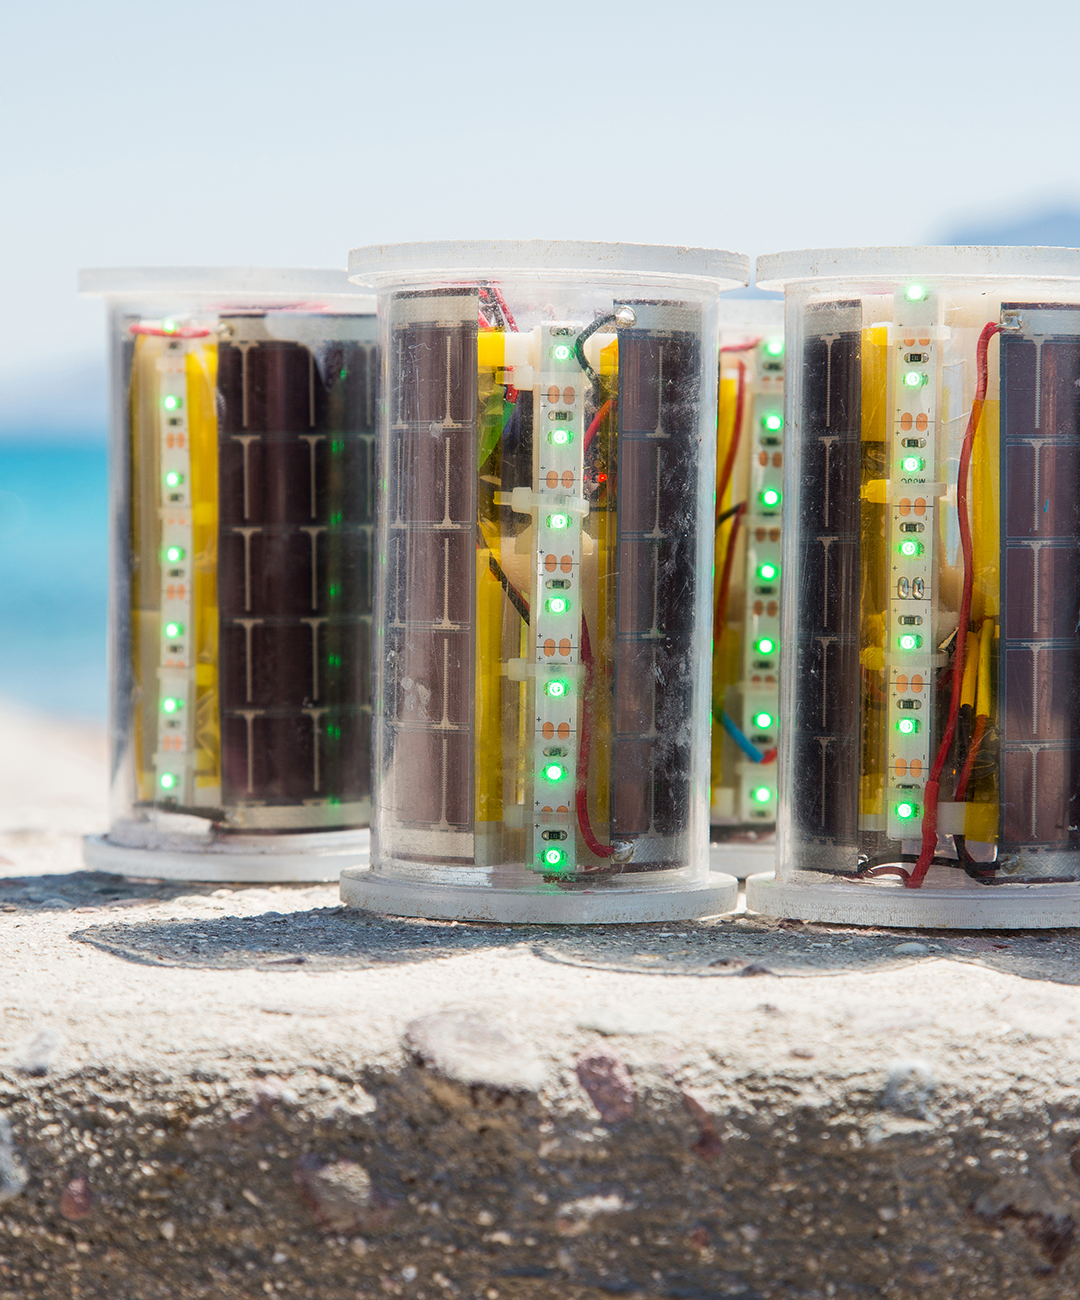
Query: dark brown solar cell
column 825, row 729
column 430, row 563
column 296, row 447
column 1039, row 654
column 656, row 574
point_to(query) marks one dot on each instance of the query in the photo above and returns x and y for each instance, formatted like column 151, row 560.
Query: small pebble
column 606, row 1079
column 911, row 949
column 77, row 1201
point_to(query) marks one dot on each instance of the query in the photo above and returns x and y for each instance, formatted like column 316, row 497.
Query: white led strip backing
column 912, row 491
column 174, row 760
column 761, row 643
column 559, row 508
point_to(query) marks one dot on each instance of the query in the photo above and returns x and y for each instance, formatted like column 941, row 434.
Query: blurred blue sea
column 54, row 575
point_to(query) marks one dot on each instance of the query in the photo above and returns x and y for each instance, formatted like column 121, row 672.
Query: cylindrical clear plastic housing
column 930, row 752
column 746, row 585
column 242, row 497
column 547, row 441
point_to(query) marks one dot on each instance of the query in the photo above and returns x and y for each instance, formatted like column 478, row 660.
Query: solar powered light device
column 930, row 633
column 547, row 441
column 242, row 482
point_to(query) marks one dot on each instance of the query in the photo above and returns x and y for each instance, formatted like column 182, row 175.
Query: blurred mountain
column 1058, row 228
column 68, row 401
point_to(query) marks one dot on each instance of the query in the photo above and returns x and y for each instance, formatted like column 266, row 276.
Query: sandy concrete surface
column 251, row 1091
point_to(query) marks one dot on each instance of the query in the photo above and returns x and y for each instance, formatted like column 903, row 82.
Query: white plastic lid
column 302, row 287
column 950, row 261
column 710, row 268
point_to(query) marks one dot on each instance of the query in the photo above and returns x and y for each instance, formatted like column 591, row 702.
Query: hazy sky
column 245, row 133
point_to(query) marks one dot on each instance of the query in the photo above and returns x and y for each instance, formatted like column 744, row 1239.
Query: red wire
column 601, row 850
column 736, row 434
column 890, row 871
column 930, row 808
column 185, row 332
column 741, row 347
column 725, row 575
column 594, row 424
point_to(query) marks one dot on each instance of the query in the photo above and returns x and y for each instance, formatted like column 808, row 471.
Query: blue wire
column 748, row 747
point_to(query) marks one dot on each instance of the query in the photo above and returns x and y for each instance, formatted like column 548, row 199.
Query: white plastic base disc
column 959, row 906
column 271, row 866
column 742, row 860
column 612, row 905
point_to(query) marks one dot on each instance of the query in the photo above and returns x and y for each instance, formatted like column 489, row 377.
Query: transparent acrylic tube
column 242, row 501
column 930, row 759
column 547, row 439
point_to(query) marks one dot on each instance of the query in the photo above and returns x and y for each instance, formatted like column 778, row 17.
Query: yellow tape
column 984, row 703
column 201, row 368
column 971, row 671
column 875, row 369
column 981, row 822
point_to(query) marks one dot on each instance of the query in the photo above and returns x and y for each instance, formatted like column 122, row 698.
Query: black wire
column 579, row 344
column 513, row 595
column 900, row 859
column 727, row 514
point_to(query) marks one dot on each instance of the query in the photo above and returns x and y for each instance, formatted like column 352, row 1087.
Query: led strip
column 559, row 508
column 174, row 759
column 761, row 644
column 911, row 541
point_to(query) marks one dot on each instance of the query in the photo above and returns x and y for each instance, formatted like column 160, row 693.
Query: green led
column 169, row 326
column 173, row 478
column 765, row 645
column 768, row 572
column 171, row 706
column 770, row 497
column 910, row 549
column 774, row 347
column 774, row 422
column 905, row 810
column 915, row 292
column 912, row 464
column 174, row 554
column 909, row 641
column 553, row 771
column 560, row 437
column 561, row 352
column 914, row 379
column 907, row 727
column 173, row 630
column 554, row 857
column 556, row 688
column 761, row 794
column 558, row 605
column 167, row 780
column 171, row 403
column 558, row 521
column 763, row 721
